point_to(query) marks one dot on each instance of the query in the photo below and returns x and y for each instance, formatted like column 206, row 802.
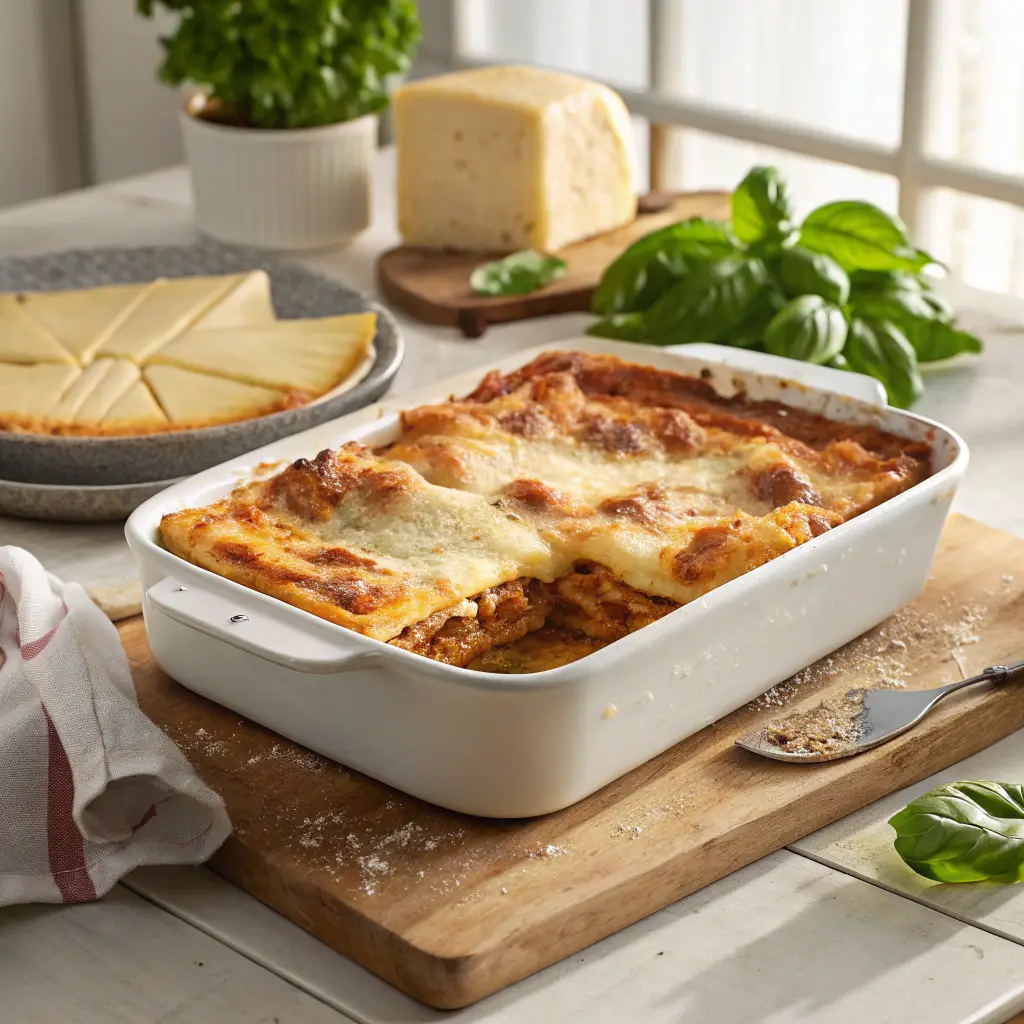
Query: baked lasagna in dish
column 552, row 511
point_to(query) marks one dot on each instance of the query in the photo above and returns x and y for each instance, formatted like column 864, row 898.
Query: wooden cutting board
column 451, row 908
column 433, row 286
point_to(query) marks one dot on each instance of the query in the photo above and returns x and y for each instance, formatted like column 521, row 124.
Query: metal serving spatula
column 883, row 715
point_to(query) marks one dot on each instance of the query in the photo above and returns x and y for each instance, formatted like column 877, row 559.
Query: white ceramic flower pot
column 290, row 189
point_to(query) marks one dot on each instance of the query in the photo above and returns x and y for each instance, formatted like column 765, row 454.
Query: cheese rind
column 508, row 158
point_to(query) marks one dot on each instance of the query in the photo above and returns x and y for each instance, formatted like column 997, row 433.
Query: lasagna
column 552, row 511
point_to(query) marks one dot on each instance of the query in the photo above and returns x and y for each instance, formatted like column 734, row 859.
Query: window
column 917, row 105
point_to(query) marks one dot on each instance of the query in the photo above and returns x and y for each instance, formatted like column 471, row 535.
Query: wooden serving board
column 451, row 908
column 433, row 285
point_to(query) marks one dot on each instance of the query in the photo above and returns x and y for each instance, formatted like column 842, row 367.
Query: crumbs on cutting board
column 884, row 657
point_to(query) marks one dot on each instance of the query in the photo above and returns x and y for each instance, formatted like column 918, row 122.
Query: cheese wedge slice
column 22, row 340
column 274, row 357
column 197, row 399
column 31, row 391
column 117, row 377
column 245, row 305
column 136, row 411
column 167, row 310
column 80, row 321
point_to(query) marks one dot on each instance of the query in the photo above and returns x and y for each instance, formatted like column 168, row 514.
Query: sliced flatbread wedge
column 31, row 391
column 199, row 399
column 22, row 340
column 245, row 305
column 309, row 363
column 80, row 321
column 169, row 308
column 118, row 375
column 135, row 412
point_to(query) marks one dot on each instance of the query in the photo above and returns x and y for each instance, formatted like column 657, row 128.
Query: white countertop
column 832, row 930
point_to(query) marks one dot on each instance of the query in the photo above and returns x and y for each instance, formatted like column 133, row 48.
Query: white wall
column 39, row 130
column 132, row 118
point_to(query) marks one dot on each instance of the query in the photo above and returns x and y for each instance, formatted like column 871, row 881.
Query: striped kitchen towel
column 89, row 787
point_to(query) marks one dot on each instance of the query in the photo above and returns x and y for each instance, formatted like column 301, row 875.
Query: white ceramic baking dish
column 515, row 746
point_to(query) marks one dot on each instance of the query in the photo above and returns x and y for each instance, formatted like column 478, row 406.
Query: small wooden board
column 433, row 285
column 451, row 908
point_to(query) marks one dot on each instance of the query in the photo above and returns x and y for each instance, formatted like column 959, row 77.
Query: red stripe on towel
column 36, row 647
column 67, row 851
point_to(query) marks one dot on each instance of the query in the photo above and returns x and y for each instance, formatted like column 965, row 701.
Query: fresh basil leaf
column 518, row 274
column 882, row 351
column 838, row 362
column 901, row 306
column 859, row 236
column 749, row 333
column 941, row 309
column 708, row 303
column 863, row 282
column 620, row 326
column 924, row 322
column 802, row 272
column 809, row 329
column 964, row 832
column 935, row 340
column 761, row 205
column 652, row 264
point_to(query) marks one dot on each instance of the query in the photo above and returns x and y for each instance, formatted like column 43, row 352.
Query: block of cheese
column 507, row 158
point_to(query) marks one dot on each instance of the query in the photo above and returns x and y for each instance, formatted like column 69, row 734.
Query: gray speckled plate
column 296, row 292
column 75, row 503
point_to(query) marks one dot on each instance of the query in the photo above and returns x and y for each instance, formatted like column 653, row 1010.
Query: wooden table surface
column 833, row 930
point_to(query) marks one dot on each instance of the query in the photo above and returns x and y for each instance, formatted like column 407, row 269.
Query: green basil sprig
column 518, row 274
column 964, row 832
column 843, row 288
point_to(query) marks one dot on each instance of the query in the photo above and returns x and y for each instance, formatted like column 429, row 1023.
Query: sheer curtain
column 836, row 67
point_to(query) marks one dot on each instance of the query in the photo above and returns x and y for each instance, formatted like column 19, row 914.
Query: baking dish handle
column 241, row 625
column 821, row 378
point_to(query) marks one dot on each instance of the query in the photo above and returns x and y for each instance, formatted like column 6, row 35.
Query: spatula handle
column 993, row 674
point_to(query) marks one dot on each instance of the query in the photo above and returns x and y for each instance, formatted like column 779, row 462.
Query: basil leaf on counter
column 518, row 274
column 860, row 236
column 621, row 327
column 964, row 832
column 803, row 272
column 761, row 206
column 809, row 329
column 935, row 340
column 651, row 265
column 708, row 303
column 882, row 351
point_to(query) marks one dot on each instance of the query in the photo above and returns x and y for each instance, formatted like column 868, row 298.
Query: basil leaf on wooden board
column 860, row 236
column 882, row 351
column 964, row 832
column 518, row 274
column 707, row 303
column 761, row 205
column 803, row 272
column 652, row 264
column 620, row 326
column 809, row 329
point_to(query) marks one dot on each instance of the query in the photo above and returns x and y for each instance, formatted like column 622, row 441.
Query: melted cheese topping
column 661, row 487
